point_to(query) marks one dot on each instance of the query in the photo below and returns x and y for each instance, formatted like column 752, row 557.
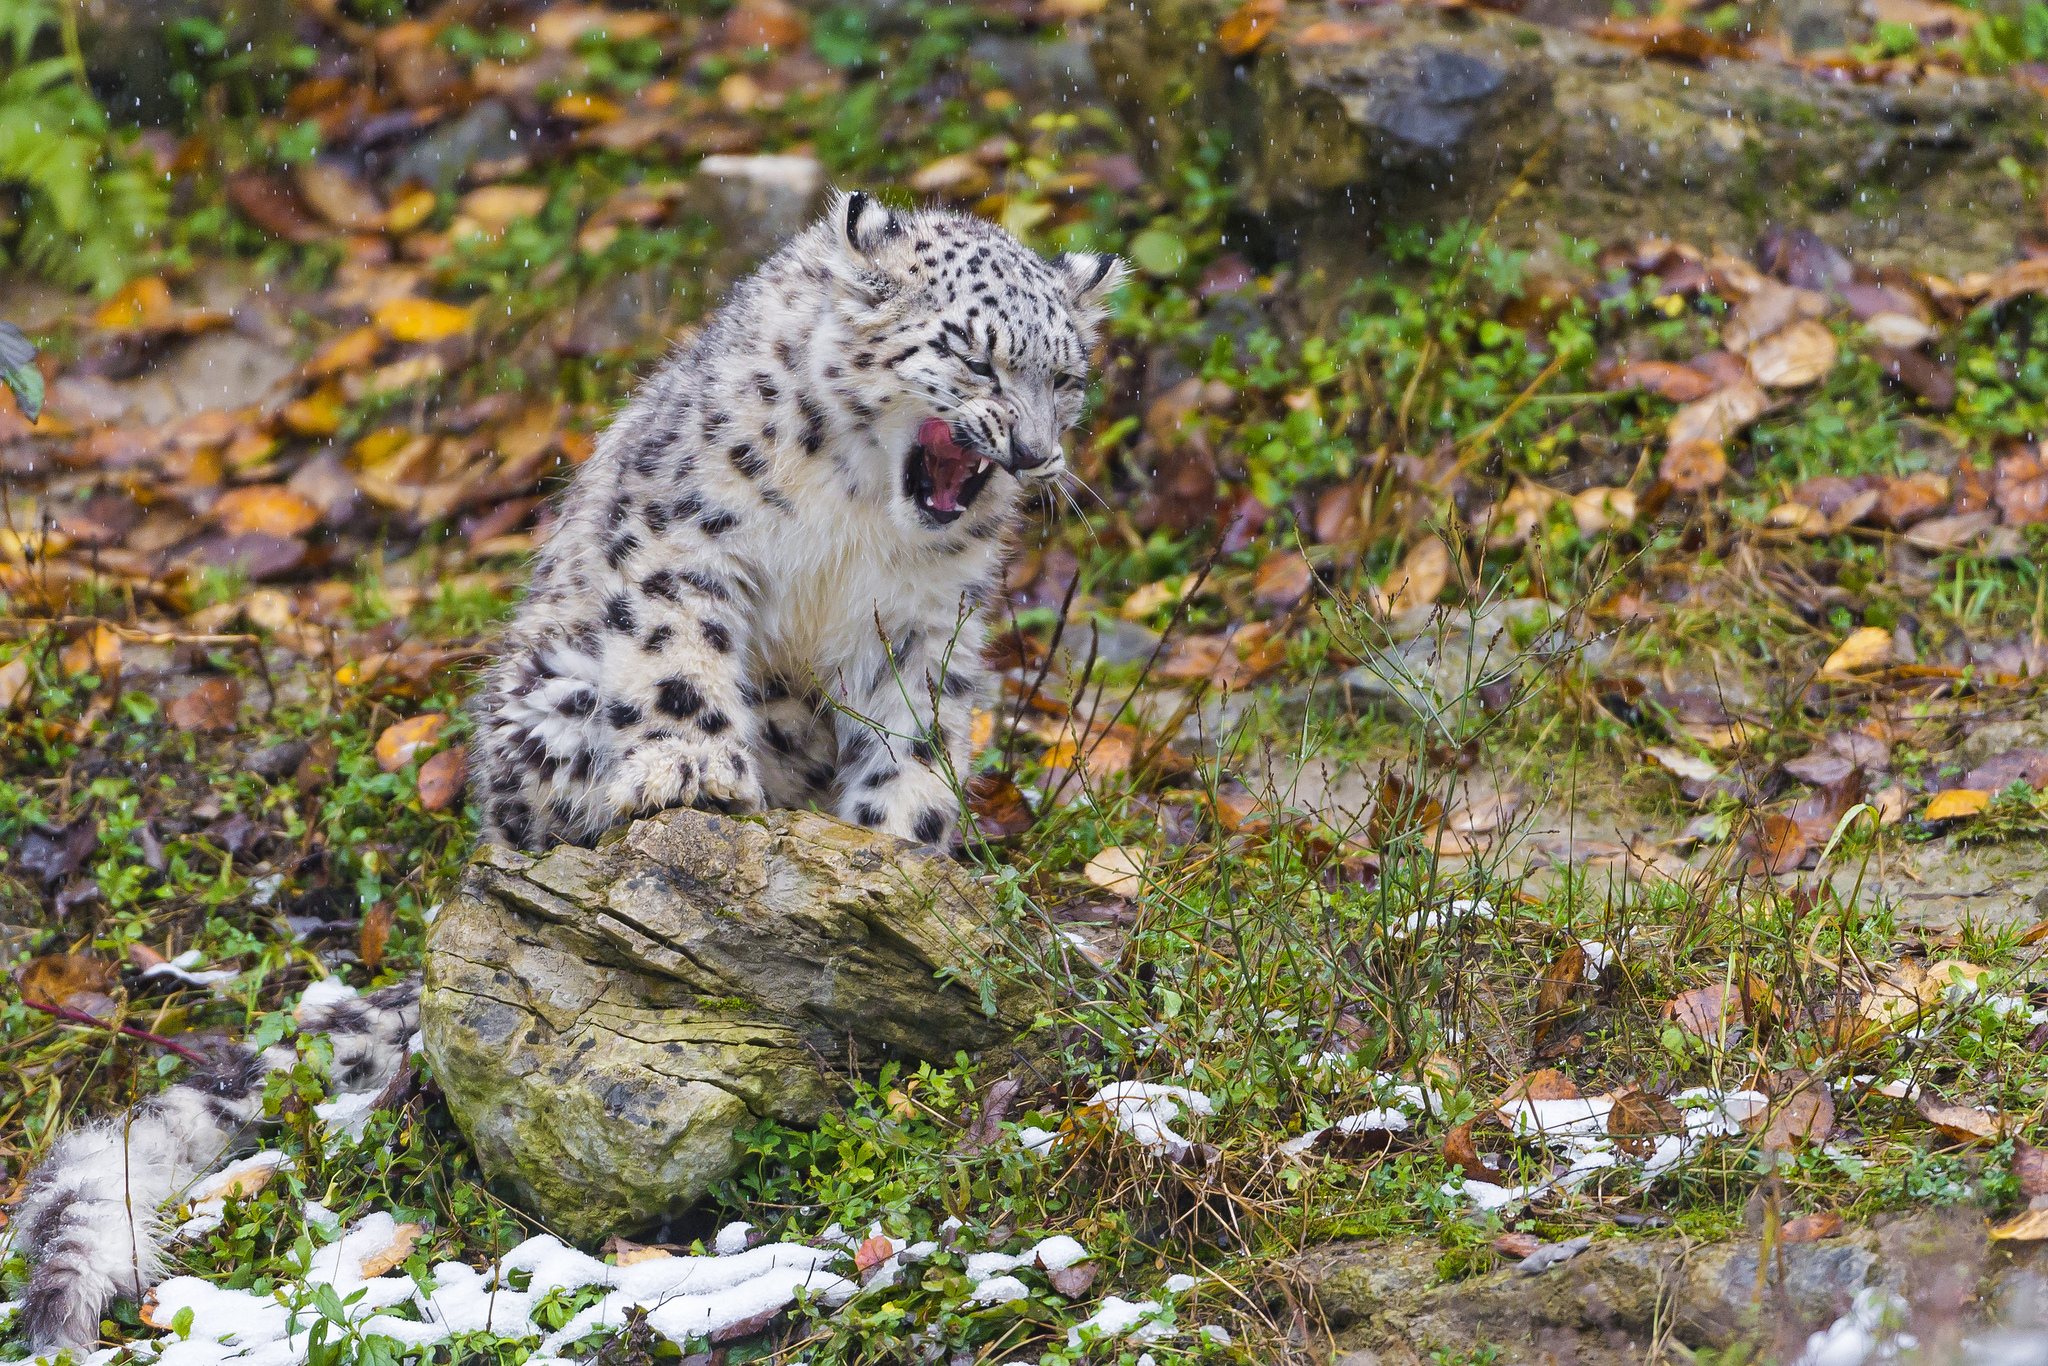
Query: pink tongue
column 948, row 465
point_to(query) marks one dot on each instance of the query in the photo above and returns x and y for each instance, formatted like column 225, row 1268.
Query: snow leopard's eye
column 1063, row 380
column 981, row 368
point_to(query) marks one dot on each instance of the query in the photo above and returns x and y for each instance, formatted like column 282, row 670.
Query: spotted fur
column 90, row 1221
column 744, row 601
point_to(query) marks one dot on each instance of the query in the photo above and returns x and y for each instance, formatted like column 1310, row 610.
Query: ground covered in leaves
column 1506, row 750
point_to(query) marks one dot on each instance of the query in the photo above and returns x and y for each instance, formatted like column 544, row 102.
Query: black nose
column 1022, row 457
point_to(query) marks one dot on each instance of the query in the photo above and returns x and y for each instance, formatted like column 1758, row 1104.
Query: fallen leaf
column 98, row 651
column 1774, row 845
column 338, row 196
column 1565, row 975
column 1460, row 1152
column 1963, row 1123
column 1119, row 870
column 1795, row 356
column 1639, row 1118
column 1693, row 466
column 271, row 509
column 1420, row 578
column 1901, row 330
column 349, row 351
column 1516, row 1246
column 442, row 778
column 1929, row 379
column 495, row 207
column 1810, row 1228
column 403, row 739
column 1666, row 379
column 272, row 205
column 422, row 320
column 2030, row 1226
column 1681, row 764
column 998, row 805
column 1710, row 1011
column 1869, row 647
column 872, row 1252
column 1544, row 1084
column 1283, row 580
column 56, row 978
column 392, row 1254
column 209, row 707
column 13, row 682
column 1915, row 498
column 1601, row 509
column 374, row 934
column 1074, row 1281
column 1802, row 1115
column 958, row 177
column 2030, row 1168
column 250, row 1179
column 1249, row 25
column 1956, row 803
column 1719, row 417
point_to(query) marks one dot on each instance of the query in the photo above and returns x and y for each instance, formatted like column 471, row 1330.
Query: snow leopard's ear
column 1088, row 279
column 864, row 223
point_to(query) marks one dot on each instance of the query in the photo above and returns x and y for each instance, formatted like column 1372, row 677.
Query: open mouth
column 942, row 477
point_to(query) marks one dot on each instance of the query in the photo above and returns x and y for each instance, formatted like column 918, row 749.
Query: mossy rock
column 604, row 1021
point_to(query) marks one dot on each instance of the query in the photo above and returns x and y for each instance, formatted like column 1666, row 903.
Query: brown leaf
column 1516, row 1246
column 1795, row 356
column 1810, row 1228
column 1666, row 379
column 2020, row 489
column 54, row 979
column 1565, row 975
column 208, row 708
column 1249, row 25
column 1774, row 845
column 1803, row 1114
column 393, row 1253
column 1119, row 869
column 1639, row 1118
column 1964, row 1123
column 998, row 805
column 1545, row 1084
column 1915, row 498
column 271, row 204
column 2030, row 1168
column 442, row 778
column 1420, row 578
column 403, row 739
column 1459, row 1151
column 338, row 196
column 1073, row 1281
column 98, row 651
column 349, row 351
column 1720, row 416
column 375, row 932
column 1283, row 580
column 1709, row 1011
column 1337, row 518
column 316, row 770
column 1693, row 466
column 1931, row 380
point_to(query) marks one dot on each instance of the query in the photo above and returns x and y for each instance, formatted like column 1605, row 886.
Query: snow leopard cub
column 765, row 585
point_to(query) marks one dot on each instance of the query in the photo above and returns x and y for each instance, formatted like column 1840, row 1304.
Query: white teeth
column 982, row 468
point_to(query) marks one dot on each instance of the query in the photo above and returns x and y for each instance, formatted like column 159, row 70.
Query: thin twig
column 80, row 1017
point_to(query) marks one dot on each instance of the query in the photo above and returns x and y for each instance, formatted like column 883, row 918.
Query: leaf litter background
column 1551, row 749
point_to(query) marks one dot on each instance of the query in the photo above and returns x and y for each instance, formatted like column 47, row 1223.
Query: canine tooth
column 982, row 468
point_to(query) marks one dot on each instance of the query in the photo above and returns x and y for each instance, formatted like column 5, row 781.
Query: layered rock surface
column 1356, row 119
column 604, row 1021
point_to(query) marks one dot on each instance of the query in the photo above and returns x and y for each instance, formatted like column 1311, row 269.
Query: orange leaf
column 403, row 739
column 442, row 777
column 271, row 509
column 1957, row 802
column 1694, row 466
column 349, row 351
column 1249, row 25
column 1282, row 580
column 54, row 979
column 1809, row 1228
column 375, row 932
column 1460, row 1152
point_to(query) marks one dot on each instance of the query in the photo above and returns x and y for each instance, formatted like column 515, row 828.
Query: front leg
column 905, row 736
column 678, row 700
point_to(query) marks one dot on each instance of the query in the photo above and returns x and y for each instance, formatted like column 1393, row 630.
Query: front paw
column 674, row 771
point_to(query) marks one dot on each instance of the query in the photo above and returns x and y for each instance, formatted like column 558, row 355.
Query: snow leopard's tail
column 90, row 1222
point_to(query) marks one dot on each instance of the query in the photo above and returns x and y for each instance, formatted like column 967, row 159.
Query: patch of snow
column 1038, row 1140
column 1000, row 1290
column 1121, row 1318
column 346, row 1116
column 1180, row 1283
column 324, row 992
column 1144, row 1110
column 732, row 1239
column 1864, row 1334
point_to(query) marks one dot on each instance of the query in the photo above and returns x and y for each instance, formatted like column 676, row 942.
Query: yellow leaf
column 587, row 109
column 1118, row 870
column 497, row 206
column 402, row 740
column 2029, row 1226
column 1957, row 802
column 1421, row 577
column 140, row 303
column 409, row 210
column 981, row 730
column 422, row 320
column 317, row 414
column 378, row 446
column 350, row 351
column 1867, row 648
column 98, row 651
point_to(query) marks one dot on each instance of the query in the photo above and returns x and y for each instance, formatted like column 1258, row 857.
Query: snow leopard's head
column 985, row 343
